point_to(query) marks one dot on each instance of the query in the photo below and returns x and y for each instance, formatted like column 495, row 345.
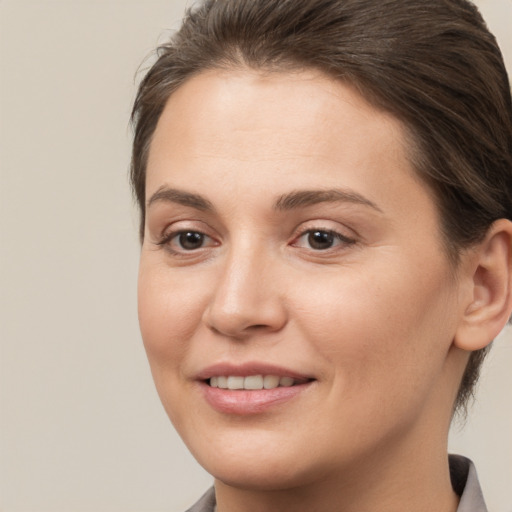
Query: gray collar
column 465, row 484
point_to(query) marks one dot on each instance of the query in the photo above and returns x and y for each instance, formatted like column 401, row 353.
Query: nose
column 247, row 298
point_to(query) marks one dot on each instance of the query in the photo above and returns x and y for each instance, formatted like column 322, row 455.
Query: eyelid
column 344, row 240
column 167, row 237
column 326, row 225
column 174, row 229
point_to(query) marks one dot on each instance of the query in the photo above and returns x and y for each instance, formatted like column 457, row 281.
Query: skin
column 372, row 319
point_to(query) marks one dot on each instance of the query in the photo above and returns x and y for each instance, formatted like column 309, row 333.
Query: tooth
column 253, row 382
column 235, row 382
column 286, row 381
column 270, row 381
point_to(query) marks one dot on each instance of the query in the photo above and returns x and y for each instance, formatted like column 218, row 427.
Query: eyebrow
column 303, row 198
column 172, row 195
column 289, row 201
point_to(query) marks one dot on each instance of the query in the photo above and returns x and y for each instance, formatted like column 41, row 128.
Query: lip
column 250, row 402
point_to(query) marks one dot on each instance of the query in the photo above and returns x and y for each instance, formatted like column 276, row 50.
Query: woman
column 325, row 188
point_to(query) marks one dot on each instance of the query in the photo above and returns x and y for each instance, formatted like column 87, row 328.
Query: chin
column 259, row 462
column 261, row 476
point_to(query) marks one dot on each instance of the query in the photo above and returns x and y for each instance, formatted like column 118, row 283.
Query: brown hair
column 434, row 65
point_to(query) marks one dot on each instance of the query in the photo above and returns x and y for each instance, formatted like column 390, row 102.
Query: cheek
column 383, row 330
column 170, row 310
column 384, row 342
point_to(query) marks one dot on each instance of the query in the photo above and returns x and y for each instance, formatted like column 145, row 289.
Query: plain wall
column 82, row 428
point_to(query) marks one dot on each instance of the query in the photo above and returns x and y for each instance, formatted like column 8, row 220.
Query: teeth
column 235, row 382
column 251, row 382
column 286, row 381
column 270, row 381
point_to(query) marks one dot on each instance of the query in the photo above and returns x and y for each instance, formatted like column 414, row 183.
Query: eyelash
column 332, row 237
column 167, row 238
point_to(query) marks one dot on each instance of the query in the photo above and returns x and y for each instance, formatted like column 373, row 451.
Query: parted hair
column 433, row 64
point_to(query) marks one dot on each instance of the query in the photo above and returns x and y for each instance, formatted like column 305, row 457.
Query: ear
column 488, row 303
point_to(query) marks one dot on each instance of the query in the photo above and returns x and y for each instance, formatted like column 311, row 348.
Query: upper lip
column 249, row 368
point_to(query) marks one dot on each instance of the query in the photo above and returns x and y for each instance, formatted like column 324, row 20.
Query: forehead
column 301, row 129
column 287, row 103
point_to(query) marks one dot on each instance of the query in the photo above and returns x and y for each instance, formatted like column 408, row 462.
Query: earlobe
column 490, row 298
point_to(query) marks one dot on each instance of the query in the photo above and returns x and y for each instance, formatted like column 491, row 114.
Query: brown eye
column 182, row 241
column 320, row 240
column 190, row 240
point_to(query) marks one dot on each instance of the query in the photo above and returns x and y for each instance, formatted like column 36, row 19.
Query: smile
column 252, row 387
column 252, row 382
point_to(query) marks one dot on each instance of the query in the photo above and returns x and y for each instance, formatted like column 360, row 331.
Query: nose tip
column 238, row 323
column 245, row 302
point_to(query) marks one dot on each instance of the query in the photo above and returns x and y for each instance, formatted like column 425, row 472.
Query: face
column 295, row 300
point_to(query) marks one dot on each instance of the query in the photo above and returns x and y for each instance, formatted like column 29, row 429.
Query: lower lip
column 245, row 402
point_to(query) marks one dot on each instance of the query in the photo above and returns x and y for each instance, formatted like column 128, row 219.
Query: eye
column 190, row 240
column 321, row 239
column 186, row 240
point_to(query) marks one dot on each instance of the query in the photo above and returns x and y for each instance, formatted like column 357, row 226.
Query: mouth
column 252, row 388
column 253, row 382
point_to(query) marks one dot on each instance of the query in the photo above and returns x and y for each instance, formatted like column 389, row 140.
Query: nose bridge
column 246, row 296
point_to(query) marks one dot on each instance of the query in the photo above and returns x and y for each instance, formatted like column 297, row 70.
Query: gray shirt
column 464, row 481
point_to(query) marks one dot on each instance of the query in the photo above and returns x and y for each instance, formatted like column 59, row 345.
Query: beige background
column 81, row 425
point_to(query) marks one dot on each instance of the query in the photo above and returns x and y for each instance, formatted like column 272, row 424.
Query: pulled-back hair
column 432, row 64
